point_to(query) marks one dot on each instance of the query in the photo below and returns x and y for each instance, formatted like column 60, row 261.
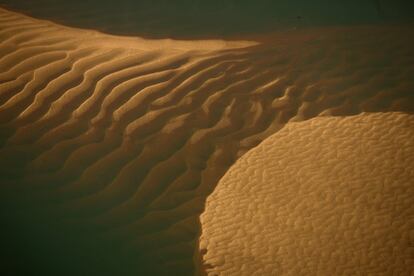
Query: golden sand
column 122, row 139
column 328, row 196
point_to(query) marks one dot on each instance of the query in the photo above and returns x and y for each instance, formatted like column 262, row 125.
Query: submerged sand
column 110, row 145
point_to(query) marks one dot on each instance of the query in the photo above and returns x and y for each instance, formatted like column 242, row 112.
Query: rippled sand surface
column 110, row 145
column 328, row 196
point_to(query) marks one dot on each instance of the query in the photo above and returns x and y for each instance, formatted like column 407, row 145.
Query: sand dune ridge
column 120, row 140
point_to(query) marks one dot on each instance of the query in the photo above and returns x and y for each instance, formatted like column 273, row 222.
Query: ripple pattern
column 112, row 144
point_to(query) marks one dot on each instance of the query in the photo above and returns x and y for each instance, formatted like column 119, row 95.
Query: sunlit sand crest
column 120, row 140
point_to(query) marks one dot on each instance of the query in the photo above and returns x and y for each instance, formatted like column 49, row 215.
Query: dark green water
column 201, row 18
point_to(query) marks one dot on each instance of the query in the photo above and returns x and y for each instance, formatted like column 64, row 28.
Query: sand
column 328, row 196
column 110, row 145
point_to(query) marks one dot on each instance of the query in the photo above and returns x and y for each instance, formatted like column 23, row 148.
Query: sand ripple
column 329, row 196
column 116, row 142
